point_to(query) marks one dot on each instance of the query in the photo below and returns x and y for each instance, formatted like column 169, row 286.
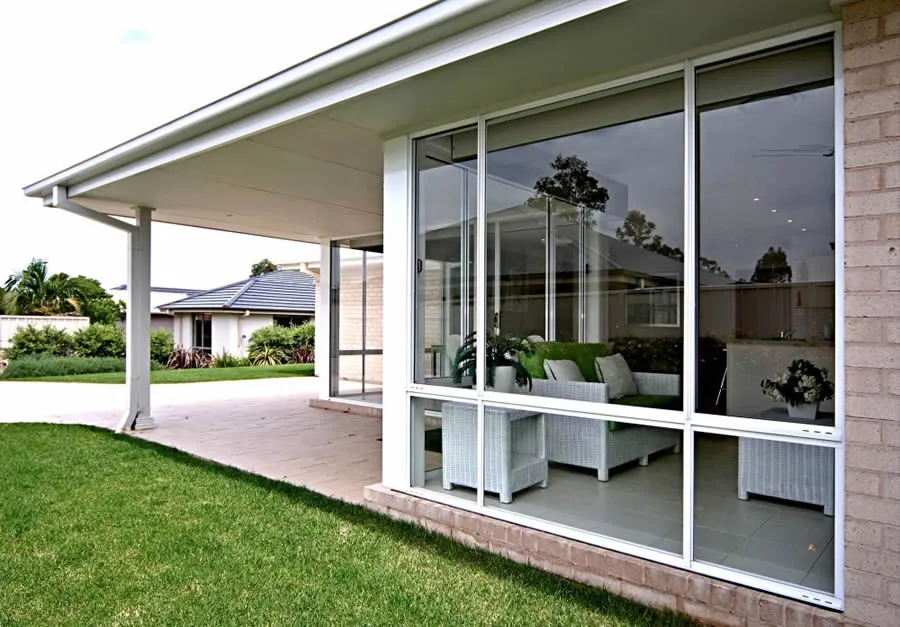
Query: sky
column 80, row 77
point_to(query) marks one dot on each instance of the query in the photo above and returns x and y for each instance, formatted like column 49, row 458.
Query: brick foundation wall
column 872, row 228
column 705, row 599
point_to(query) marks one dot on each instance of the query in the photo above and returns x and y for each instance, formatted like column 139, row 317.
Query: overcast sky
column 80, row 77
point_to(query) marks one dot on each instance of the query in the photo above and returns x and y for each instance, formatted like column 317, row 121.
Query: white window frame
column 687, row 420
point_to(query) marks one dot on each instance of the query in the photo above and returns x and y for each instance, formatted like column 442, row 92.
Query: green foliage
column 295, row 344
column 582, row 354
column 34, row 292
column 305, row 333
column 161, row 345
column 267, row 356
column 185, row 358
column 104, row 310
column 33, row 340
column 227, row 360
column 99, row 340
column 500, row 350
column 47, row 366
column 262, row 266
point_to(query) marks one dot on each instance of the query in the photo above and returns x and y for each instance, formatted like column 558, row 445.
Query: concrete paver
column 263, row 426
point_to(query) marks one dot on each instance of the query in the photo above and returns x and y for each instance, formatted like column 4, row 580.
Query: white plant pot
column 504, row 379
column 803, row 412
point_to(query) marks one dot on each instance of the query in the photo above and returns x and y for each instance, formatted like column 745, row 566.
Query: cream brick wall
column 872, row 258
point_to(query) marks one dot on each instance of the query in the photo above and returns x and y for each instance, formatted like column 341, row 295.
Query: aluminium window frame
column 688, row 420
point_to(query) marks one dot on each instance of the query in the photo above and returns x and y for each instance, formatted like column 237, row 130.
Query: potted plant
column 503, row 369
column 801, row 387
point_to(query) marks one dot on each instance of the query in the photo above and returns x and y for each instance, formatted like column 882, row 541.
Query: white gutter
column 393, row 32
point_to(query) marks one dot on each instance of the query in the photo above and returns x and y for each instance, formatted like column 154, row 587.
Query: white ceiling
column 321, row 175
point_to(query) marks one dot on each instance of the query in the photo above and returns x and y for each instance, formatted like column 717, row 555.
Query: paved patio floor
column 263, row 426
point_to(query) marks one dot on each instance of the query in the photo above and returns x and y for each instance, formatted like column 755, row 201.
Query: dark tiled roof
column 282, row 290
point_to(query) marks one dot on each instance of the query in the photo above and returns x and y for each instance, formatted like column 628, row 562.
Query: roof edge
column 431, row 15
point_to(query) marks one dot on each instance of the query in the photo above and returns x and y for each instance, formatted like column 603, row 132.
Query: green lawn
column 193, row 375
column 104, row 529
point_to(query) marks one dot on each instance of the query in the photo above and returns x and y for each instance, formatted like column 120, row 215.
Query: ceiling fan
column 803, row 150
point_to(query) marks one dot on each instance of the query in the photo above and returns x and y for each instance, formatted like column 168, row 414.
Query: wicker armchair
column 514, row 449
column 786, row 470
column 589, row 442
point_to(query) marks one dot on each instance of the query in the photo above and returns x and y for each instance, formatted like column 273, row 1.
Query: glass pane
column 766, row 237
column 766, row 508
column 446, row 192
column 585, row 211
column 444, row 447
column 615, row 479
column 356, row 315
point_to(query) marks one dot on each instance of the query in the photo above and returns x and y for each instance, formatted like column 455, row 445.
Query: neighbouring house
column 482, row 167
column 158, row 295
column 223, row 319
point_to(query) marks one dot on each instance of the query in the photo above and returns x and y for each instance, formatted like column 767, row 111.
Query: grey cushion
column 615, row 373
column 562, row 370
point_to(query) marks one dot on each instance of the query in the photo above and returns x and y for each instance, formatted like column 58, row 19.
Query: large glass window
column 765, row 507
column 585, row 246
column 765, row 136
column 446, row 193
column 202, row 324
column 585, row 319
column 356, row 318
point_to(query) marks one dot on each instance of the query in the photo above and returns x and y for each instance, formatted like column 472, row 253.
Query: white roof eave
column 179, row 138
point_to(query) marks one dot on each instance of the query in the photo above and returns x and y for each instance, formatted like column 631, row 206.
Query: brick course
column 872, row 254
column 705, row 599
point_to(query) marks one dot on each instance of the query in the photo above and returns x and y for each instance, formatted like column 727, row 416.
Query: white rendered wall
column 246, row 326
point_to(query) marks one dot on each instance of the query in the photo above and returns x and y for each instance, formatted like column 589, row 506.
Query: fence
column 10, row 324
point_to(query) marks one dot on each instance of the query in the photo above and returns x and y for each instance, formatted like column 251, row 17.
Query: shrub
column 99, row 340
column 285, row 339
column 267, row 356
column 184, row 359
column 227, row 360
column 305, row 333
column 48, row 366
column 161, row 345
column 32, row 340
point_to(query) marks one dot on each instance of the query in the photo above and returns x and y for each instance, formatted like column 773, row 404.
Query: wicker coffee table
column 787, row 470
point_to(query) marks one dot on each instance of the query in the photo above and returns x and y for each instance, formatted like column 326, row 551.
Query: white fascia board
column 356, row 48
column 498, row 32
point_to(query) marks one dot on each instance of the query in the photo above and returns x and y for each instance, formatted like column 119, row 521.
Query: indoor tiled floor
column 781, row 540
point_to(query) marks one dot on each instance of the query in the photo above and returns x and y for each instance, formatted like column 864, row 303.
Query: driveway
column 263, row 426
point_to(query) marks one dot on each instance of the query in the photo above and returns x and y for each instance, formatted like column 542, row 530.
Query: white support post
column 137, row 335
column 324, row 306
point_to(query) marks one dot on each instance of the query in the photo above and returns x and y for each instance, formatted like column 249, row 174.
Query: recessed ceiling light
column 756, row 200
column 803, row 229
column 774, row 210
column 789, row 221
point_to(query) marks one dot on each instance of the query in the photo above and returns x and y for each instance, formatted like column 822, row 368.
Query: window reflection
column 766, row 234
column 446, row 191
column 585, row 212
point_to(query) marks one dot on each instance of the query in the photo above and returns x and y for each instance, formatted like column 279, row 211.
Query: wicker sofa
column 603, row 444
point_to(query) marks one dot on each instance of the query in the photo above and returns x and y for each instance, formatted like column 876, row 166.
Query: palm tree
column 36, row 293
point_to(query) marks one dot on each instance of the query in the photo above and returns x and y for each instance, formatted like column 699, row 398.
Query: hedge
column 49, row 366
column 96, row 340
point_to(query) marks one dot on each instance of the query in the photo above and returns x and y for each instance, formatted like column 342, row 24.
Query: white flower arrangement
column 803, row 383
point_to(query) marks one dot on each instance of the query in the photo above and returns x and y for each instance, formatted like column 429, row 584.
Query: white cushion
column 562, row 370
column 615, row 373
